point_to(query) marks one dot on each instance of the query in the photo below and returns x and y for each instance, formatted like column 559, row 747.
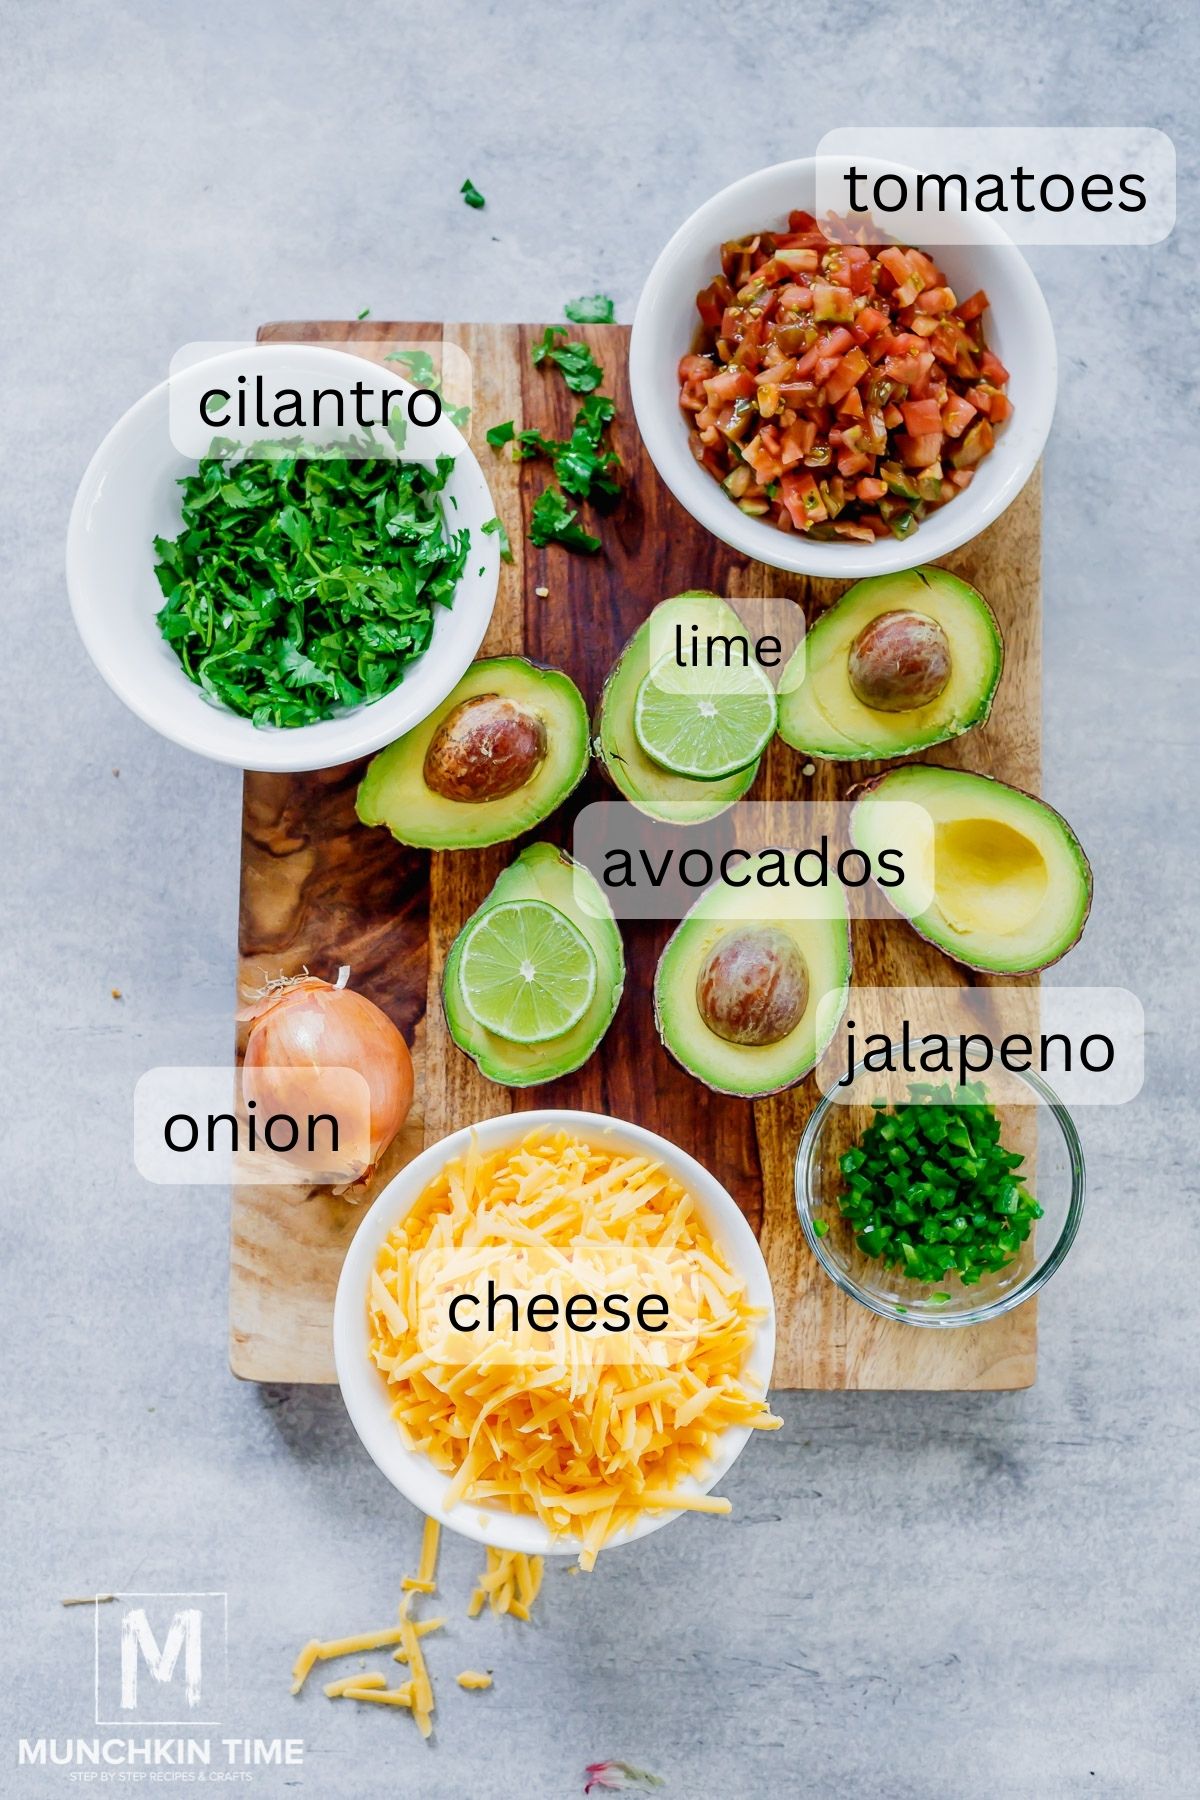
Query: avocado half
column 721, row 915
column 677, row 799
column 543, row 872
column 821, row 714
column 1011, row 885
column 394, row 791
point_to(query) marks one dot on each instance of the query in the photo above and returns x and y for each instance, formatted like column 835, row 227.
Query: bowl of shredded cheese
column 554, row 1331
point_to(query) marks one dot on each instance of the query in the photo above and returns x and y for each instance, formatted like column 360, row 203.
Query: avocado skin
column 545, row 872
column 393, row 792
column 863, row 790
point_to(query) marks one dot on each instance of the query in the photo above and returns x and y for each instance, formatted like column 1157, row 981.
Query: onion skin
column 309, row 1026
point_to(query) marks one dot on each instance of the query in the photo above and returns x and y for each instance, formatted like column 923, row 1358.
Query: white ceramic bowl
column 129, row 495
column 365, row 1391
column 664, row 329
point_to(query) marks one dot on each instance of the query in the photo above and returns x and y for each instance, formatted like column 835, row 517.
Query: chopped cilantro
column 583, row 465
column 581, row 372
column 553, row 521
column 590, row 309
column 300, row 584
column 471, row 194
column 496, row 527
column 423, row 372
column 365, row 313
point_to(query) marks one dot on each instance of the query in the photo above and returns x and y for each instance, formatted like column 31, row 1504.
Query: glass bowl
column 1032, row 1120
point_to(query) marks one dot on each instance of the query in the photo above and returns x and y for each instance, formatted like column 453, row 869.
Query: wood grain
column 318, row 889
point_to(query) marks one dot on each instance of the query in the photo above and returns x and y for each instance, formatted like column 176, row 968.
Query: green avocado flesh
column 543, row 872
column 821, row 714
column 679, row 799
column 394, row 791
column 723, row 918
column 1011, row 886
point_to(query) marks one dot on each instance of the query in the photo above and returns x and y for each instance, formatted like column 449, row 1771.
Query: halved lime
column 706, row 723
column 527, row 973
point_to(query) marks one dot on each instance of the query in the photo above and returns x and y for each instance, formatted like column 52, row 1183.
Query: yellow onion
column 303, row 1030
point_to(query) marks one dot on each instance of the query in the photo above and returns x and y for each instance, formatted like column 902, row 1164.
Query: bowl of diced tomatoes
column 832, row 400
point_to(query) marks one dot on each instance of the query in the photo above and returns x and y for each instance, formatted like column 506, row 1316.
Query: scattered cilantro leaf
column 590, row 309
column 578, row 367
column 496, row 527
column 553, row 521
column 581, row 466
column 501, row 434
column 365, row 313
column 423, row 372
column 471, row 194
column 302, row 583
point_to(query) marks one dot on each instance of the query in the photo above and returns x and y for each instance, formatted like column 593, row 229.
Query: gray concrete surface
column 917, row 1596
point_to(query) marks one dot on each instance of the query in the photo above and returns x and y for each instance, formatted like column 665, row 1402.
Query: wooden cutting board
column 318, row 890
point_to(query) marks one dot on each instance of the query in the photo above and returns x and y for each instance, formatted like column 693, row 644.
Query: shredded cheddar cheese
column 474, row 1681
column 366, row 1678
column 586, row 1445
column 509, row 1584
column 401, row 1696
column 425, row 1579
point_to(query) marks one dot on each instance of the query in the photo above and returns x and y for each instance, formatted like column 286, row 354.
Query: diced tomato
column 957, row 413
column 936, row 300
column 712, row 301
column 869, row 321
column 919, row 452
column 802, row 497
column 896, row 263
column 849, row 371
column 729, row 385
column 766, row 466
column 816, row 359
column 921, row 416
column 696, row 368
column 974, row 307
column 925, row 267
column 852, row 462
column 798, row 440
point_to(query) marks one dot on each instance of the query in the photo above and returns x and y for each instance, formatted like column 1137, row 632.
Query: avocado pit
column 753, row 986
column 899, row 661
column 487, row 747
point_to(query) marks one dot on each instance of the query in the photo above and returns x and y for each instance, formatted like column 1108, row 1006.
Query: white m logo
column 138, row 1643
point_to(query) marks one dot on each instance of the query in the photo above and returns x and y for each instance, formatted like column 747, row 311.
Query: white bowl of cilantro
column 267, row 607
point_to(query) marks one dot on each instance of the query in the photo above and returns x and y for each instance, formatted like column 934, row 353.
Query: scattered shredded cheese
column 366, row 1678
column 425, row 1579
column 474, row 1681
column 401, row 1696
column 510, row 1584
column 587, row 1446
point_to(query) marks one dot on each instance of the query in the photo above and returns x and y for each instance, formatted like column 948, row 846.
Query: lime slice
column 526, row 972
column 706, row 723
